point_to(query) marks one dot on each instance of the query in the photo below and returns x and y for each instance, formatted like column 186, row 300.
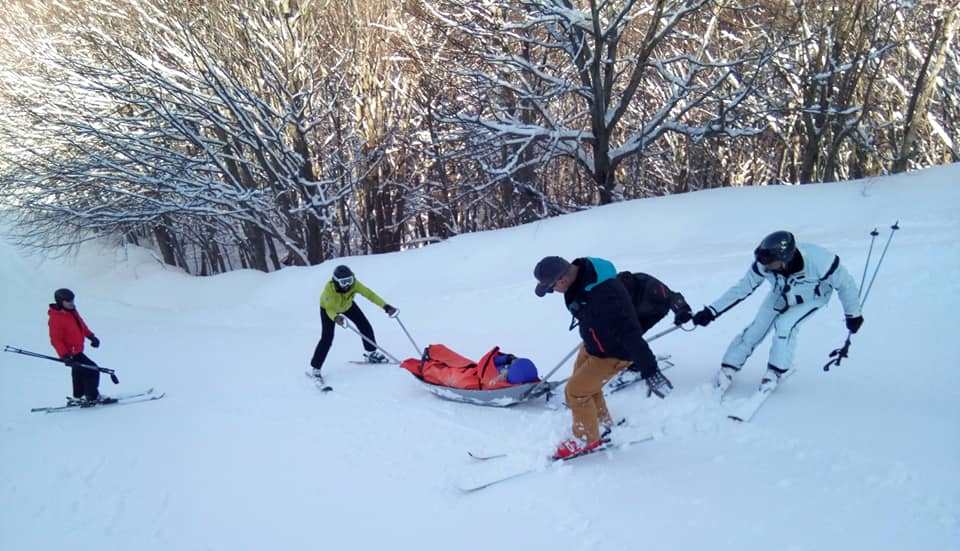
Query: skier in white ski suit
column 803, row 277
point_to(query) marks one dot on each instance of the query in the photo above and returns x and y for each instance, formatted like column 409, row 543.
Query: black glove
column 70, row 361
column 94, row 341
column 340, row 320
column 390, row 310
column 683, row 316
column 704, row 317
column 658, row 384
column 854, row 323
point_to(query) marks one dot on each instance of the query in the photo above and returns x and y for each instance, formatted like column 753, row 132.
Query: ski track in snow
column 244, row 453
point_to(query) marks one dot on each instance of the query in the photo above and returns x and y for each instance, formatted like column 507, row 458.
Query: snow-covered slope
column 244, row 453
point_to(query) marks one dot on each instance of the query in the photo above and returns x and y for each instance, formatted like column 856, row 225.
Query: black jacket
column 606, row 315
column 652, row 299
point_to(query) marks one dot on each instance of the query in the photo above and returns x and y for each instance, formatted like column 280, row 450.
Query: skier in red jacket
column 67, row 331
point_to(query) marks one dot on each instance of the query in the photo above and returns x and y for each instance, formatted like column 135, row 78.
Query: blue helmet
column 521, row 371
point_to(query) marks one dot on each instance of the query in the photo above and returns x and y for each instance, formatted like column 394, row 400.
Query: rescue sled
column 502, row 397
column 450, row 376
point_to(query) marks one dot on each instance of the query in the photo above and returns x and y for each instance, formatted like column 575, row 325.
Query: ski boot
column 85, row 402
column 772, row 378
column 724, row 378
column 573, row 447
column 101, row 399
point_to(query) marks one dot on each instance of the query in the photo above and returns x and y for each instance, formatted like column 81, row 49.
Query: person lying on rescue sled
column 612, row 340
column 803, row 277
column 337, row 304
column 441, row 366
column 514, row 370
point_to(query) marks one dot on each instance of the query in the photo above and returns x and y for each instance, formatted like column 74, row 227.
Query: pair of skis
column 749, row 407
column 744, row 413
column 473, row 484
column 119, row 400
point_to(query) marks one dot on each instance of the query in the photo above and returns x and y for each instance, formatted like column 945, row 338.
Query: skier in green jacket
column 337, row 304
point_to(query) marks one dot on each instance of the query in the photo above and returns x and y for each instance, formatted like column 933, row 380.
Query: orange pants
column 584, row 393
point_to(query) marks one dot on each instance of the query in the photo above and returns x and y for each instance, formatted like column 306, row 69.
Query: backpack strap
column 423, row 360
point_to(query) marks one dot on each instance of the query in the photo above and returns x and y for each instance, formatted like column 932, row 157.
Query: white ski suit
column 793, row 299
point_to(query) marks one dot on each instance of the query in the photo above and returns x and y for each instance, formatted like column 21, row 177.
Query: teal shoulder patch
column 605, row 270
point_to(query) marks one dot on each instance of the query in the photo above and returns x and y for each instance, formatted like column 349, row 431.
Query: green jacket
column 333, row 302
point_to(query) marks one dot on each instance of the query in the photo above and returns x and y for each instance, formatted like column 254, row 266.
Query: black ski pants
column 355, row 315
column 86, row 382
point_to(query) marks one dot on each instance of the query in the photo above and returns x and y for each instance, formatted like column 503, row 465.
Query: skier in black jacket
column 652, row 299
column 612, row 341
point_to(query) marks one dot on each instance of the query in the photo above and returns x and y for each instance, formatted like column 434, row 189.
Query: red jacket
column 67, row 331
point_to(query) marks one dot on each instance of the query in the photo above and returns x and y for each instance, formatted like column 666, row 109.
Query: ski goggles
column 344, row 282
column 763, row 256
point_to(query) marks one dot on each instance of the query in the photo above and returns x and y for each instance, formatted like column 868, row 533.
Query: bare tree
column 233, row 134
column 553, row 80
column 944, row 31
column 181, row 135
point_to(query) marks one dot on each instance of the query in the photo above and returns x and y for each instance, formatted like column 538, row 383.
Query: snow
column 243, row 453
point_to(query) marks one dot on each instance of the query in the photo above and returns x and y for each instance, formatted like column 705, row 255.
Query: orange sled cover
column 442, row 366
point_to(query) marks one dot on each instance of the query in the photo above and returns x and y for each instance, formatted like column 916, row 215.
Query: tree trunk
column 602, row 172
column 272, row 248
column 256, row 246
column 165, row 242
column 926, row 84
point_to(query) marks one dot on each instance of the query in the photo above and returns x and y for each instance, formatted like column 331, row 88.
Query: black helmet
column 343, row 277
column 779, row 245
column 63, row 295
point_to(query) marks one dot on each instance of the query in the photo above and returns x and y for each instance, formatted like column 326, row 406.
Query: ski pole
column 543, row 381
column 838, row 355
column 561, row 362
column 863, row 278
column 350, row 326
column 662, row 333
column 415, row 347
column 575, row 349
column 113, row 376
column 893, row 229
